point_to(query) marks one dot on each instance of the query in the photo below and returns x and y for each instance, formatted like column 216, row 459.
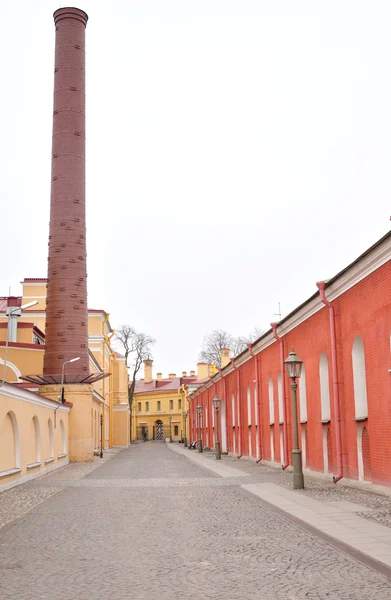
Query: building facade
column 342, row 334
column 160, row 406
column 25, row 352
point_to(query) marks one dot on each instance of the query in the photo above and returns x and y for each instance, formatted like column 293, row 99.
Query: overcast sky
column 237, row 152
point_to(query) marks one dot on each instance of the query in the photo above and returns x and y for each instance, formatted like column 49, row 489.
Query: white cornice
column 26, row 396
column 97, row 397
column 358, row 271
column 121, row 408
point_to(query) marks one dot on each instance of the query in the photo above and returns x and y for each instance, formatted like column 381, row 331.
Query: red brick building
column 342, row 334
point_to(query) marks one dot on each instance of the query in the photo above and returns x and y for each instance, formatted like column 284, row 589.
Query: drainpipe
column 333, row 337
column 238, row 405
column 213, row 412
column 226, row 404
column 282, row 369
column 250, row 349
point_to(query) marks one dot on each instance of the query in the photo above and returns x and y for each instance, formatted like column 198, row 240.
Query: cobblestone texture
column 100, row 538
column 379, row 505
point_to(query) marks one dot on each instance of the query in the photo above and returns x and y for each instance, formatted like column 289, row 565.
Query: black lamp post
column 199, row 411
column 216, row 404
column 101, row 437
column 184, row 415
column 293, row 367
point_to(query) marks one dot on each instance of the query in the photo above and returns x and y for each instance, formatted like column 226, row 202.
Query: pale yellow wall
column 34, row 291
column 148, row 418
column 24, row 418
column 113, row 389
column 29, row 361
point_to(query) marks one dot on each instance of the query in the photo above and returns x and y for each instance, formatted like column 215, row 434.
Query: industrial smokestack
column 66, row 333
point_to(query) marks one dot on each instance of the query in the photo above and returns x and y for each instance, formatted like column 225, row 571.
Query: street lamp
column 170, row 420
column 293, row 367
column 199, row 412
column 101, row 436
column 61, row 398
column 184, row 415
column 216, row 404
column 12, row 312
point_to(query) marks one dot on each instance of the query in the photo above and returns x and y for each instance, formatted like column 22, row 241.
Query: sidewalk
column 355, row 518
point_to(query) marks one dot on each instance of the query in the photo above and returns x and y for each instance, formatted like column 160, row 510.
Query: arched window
column 359, row 379
column 324, row 387
column 271, row 401
column 9, row 443
column 280, row 400
column 51, row 439
column 233, row 410
column 37, row 440
column 256, row 403
column 303, row 396
column 249, row 405
column 63, row 438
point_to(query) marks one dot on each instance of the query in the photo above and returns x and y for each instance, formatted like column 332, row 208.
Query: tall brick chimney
column 66, row 333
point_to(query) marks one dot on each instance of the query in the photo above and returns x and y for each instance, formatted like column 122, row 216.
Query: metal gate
column 159, row 431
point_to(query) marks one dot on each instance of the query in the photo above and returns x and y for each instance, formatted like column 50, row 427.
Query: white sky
column 237, row 152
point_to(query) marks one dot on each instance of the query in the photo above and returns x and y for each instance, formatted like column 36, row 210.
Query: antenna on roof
column 278, row 314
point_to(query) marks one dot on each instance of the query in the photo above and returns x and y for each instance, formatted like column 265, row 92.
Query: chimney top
column 159, row 376
column 171, row 375
column 184, row 373
column 70, row 13
column 192, row 373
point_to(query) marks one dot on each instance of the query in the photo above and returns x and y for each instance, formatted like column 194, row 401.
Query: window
column 175, row 429
column 359, row 379
column 158, row 405
column 303, row 396
column 139, row 406
column 233, row 410
column 171, row 404
column 271, row 403
column 146, row 406
column 280, row 400
column 249, row 407
column 179, row 404
column 324, row 387
column 256, row 405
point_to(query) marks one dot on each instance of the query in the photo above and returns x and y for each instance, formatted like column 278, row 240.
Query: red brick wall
column 364, row 310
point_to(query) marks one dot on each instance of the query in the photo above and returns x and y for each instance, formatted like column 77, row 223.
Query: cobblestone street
column 146, row 522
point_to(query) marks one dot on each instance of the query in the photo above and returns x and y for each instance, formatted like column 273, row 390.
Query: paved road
column 151, row 524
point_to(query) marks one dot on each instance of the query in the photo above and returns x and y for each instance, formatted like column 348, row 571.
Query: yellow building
column 160, row 405
column 26, row 335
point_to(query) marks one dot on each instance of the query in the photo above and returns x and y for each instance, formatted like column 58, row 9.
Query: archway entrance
column 158, row 433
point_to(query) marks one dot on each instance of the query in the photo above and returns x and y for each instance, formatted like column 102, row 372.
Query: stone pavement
column 150, row 523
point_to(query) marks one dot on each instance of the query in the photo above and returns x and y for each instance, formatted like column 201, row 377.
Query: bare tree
column 219, row 338
column 238, row 345
column 136, row 347
column 255, row 335
column 212, row 344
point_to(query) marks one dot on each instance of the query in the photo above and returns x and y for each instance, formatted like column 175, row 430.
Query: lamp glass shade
column 216, row 402
column 199, row 409
column 293, row 365
column 184, row 415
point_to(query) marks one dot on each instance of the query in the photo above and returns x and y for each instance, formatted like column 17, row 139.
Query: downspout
column 282, row 369
column 250, row 349
column 212, row 415
column 238, row 405
column 333, row 338
column 226, row 408
column 105, row 341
